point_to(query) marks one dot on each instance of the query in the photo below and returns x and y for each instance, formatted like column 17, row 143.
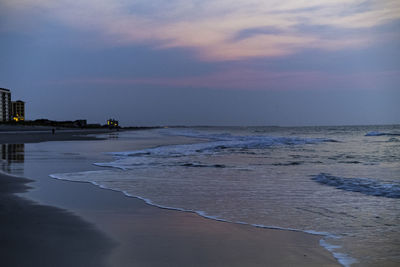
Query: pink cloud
column 259, row 80
column 208, row 27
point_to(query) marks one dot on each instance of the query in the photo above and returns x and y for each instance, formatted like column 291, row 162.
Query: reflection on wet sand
column 113, row 135
column 10, row 155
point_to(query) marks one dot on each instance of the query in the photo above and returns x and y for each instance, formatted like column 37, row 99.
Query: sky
column 204, row 62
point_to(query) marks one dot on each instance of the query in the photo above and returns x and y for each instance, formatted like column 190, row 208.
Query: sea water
column 342, row 183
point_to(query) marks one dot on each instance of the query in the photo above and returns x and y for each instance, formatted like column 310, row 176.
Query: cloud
column 250, row 79
column 211, row 27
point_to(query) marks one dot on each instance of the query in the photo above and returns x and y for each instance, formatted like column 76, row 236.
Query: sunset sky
column 209, row 62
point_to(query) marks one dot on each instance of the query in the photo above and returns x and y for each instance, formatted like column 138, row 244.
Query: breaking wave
column 366, row 186
column 219, row 143
column 292, row 163
column 373, row 133
column 200, row 165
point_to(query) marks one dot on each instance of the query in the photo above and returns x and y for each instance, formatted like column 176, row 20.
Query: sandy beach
column 105, row 228
column 14, row 134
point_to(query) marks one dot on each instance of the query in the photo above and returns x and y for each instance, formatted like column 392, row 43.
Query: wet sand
column 38, row 235
column 128, row 232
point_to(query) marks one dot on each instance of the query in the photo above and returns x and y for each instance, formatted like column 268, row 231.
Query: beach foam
column 342, row 258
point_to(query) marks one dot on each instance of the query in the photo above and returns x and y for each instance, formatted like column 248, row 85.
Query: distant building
column 112, row 123
column 18, row 110
column 10, row 110
column 5, row 104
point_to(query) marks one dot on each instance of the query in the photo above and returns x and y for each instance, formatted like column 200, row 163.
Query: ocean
column 341, row 183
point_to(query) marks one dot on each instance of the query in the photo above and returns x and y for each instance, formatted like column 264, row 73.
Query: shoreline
column 153, row 236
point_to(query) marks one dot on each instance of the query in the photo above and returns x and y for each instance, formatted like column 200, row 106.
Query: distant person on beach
column 53, row 131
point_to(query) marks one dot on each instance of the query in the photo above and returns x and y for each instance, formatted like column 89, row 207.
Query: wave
column 228, row 136
column 219, row 143
column 374, row 133
column 350, row 162
column 292, row 163
column 366, row 186
column 200, row 165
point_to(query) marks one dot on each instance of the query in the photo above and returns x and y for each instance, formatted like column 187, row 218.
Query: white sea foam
column 342, row 258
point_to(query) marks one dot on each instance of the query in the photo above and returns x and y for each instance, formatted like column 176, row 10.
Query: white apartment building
column 5, row 104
